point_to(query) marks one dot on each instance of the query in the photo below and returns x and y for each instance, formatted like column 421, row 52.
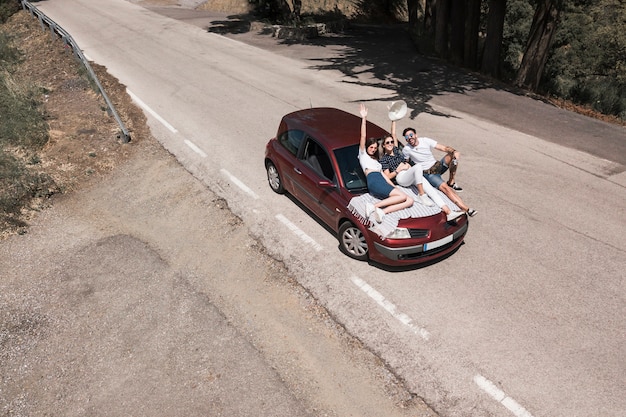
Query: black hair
column 369, row 142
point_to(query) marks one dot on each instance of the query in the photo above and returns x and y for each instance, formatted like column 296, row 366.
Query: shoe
column 471, row 212
column 455, row 187
column 425, row 200
column 453, row 215
column 369, row 209
column 379, row 214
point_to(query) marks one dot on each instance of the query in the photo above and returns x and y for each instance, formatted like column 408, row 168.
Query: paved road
column 425, row 83
column 526, row 319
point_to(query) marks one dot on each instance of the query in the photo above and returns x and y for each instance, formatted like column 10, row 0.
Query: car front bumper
column 415, row 253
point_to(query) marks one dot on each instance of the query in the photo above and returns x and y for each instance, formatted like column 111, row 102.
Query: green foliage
column 22, row 127
column 380, row 11
column 9, row 56
column 22, row 120
column 519, row 16
column 267, row 10
column 588, row 60
column 7, row 9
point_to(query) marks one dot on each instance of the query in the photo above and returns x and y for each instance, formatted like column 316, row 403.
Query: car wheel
column 352, row 241
column 273, row 178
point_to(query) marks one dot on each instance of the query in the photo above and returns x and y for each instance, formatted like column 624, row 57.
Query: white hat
column 397, row 110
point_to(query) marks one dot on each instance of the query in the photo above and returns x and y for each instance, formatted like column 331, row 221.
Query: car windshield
column 350, row 169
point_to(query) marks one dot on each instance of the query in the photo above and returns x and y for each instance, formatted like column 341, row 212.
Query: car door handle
column 297, row 170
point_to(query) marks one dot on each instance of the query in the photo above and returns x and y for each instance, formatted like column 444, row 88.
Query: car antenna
column 310, row 102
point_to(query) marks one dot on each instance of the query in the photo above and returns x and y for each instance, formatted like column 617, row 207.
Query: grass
column 23, row 132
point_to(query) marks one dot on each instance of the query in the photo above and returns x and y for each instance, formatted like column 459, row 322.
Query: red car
column 314, row 158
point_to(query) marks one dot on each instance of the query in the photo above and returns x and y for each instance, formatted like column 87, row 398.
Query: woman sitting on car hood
column 378, row 184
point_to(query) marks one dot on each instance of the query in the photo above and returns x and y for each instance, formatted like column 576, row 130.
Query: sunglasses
column 389, row 142
column 409, row 136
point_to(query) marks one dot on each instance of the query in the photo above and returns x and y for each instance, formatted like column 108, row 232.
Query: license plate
column 437, row 243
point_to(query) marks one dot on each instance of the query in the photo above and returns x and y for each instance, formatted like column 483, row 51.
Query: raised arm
column 393, row 133
column 363, row 111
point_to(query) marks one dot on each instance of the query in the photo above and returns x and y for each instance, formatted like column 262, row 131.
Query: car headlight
column 400, row 233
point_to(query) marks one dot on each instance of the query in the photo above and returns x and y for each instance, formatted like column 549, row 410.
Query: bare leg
column 453, row 196
column 397, row 200
column 451, row 169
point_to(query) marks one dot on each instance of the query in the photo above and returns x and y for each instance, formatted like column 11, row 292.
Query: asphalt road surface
column 526, row 319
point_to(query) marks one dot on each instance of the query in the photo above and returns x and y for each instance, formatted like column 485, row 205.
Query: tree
column 472, row 26
column 493, row 42
column 284, row 11
column 587, row 63
column 277, row 11
column 457, row 32
column 542, row 32
column 429, row 16
column 413, row 10
column 442, row 21
column 519, row 16
column 7, row 9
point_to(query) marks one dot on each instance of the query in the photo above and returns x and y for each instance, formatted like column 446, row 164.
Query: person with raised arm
column 379, row 185
column 396, row 166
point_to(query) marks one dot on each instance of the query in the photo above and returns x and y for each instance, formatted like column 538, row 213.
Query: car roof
column 332, row 128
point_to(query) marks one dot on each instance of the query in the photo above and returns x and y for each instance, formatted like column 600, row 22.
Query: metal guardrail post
column 68, row 40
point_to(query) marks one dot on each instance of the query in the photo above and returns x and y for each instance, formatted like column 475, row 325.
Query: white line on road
column 299, row 232
column 499, row 395
column 195, row 148
column 239, row 184
column 391, row 308
column 152, row 112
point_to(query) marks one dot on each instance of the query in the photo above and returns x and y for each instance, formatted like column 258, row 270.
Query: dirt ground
column 114, row 302
column 85, row 142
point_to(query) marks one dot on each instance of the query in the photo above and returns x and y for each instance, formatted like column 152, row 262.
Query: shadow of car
column 313, row 157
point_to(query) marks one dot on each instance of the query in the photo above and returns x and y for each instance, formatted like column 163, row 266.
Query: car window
column 317, row 158
column 350, row 169
column 291, row 140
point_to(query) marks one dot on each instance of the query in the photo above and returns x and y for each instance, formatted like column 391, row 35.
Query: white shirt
column 421, row 153
column 367, row 162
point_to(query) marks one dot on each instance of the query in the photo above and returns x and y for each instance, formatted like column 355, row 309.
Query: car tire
column 352, row 241
column 274, row 179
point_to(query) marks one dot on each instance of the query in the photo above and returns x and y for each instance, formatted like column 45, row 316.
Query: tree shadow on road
column 385, row 52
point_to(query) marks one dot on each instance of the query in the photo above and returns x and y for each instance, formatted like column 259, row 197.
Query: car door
column 286, row 157
column 317, row 184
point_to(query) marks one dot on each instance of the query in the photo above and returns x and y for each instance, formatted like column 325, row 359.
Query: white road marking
column 152, row 112
column 306, row 238
column 391, row 308
column 195, row 148
column 486, row 385
column 239, row 184
column 500, row 396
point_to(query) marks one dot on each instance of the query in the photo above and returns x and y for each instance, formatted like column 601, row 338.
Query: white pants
column 413, row 176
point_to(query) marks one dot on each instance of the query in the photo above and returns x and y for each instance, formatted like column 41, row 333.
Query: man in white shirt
column 419, row 150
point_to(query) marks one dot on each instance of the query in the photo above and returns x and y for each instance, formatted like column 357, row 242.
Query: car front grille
column 418, row 233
